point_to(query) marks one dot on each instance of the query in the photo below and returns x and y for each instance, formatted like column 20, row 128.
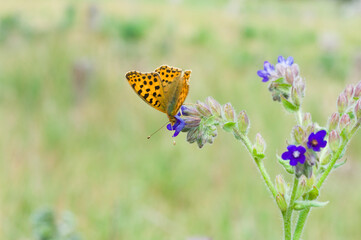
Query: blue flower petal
column 286, row 156
column 293, row 162
column 301, row 149
column 321, row 134
column 178, row 125
column 289, row 61
column 302, row 159
column 281, row 59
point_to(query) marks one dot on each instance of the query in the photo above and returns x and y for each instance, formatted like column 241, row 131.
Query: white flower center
column 296, row 154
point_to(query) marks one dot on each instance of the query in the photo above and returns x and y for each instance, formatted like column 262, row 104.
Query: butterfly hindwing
column 183, row 92
column 148, row 87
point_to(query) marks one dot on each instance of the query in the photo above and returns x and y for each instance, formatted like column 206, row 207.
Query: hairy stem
column 301, row 223
column 299, row 117
column 287, row 217
column 258, row 162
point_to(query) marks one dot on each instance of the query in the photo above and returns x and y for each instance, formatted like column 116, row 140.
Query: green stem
column 258, row 162
column 332, row 163
column 301, row 223
column 287, row 217
column 299, row 117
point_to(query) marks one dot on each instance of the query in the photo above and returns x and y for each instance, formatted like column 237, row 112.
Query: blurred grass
column 91, row 156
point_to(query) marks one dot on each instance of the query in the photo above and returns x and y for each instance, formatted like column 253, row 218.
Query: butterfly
column 165, row 89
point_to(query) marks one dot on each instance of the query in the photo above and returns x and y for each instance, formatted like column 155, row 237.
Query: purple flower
column 295, row 155
column 179, row 124
column 287, row 62
column 315, row 141
column 269, row 69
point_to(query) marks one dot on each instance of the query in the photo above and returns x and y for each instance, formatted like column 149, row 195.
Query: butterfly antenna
column 157, row 130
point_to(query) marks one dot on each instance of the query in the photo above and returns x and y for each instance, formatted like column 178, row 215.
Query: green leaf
column 257, row 155
column 300, row 205
column 313, row 194
column 284, row 87
column 280, row 80
column 228, row 126
column 286, row 165
column 339, row 164
column 289, row 106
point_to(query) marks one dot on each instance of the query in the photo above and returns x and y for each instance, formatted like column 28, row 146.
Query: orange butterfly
column 165, row 89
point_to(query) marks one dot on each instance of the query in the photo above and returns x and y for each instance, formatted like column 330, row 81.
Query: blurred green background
column 73, row 133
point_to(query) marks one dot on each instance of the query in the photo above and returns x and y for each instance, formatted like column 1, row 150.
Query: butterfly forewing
column 148, row 87
column 168, row 75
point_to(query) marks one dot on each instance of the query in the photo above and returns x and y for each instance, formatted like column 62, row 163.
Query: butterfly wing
column 175, row 88
column 148, row 86
column 168, row 75
column 184, row 89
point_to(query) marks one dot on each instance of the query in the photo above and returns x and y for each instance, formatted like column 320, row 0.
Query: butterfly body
column 165, row 89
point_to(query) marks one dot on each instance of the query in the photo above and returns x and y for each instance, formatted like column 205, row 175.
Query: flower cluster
column 200, row 121
column 286, row 84
column 298, row 154
column 349, row 110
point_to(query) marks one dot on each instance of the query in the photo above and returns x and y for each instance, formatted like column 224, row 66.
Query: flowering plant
column 313, row 151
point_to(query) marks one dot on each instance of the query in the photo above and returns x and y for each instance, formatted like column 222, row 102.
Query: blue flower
column 179, row 124
column 288, row 61
column 269, row 69
column 316, row 141
column 295, row 155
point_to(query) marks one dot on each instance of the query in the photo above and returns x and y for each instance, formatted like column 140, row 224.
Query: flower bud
column 342, row 103
column 345, row 121
column 310, row 129
column 192, row 135
column 307, row 119
column 296, row 98
column 215, row 107
column 280, row 69
column 191, row 122
column 299, row 84
column 310, row 182
column 281, row 185
column 358, row 109
column 289, row 76
column 334, row 140
column 349, row 90
column 191, row 111
column 243, row 122
column 228, row 112
column 295, row 70
column 260, row 144
column 281, row 202
column 302, row 189
column 298, row 134
column 325, row 159
column 357, row 92
column 333, row 121
column 203, row 109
